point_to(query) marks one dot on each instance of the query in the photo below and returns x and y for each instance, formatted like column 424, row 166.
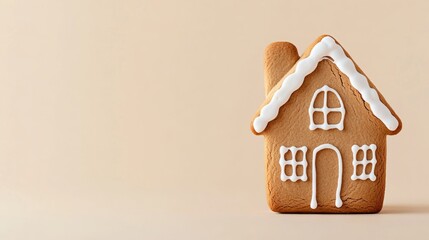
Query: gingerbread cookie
column 325, row 126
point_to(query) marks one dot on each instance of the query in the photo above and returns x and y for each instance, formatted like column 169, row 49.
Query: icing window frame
column 294, row 163
column 364, row 162
column 326, row 110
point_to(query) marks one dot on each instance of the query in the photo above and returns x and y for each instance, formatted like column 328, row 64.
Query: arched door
column 338, row 201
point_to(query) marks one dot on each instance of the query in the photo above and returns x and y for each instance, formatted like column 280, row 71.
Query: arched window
column 323, row 121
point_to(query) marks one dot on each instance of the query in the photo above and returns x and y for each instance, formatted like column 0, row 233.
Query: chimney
column 280, row 57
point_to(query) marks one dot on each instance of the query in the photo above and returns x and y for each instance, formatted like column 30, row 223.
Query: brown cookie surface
column 325, row 149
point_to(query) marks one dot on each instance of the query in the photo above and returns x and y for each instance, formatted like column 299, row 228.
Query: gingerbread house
column 325, row 126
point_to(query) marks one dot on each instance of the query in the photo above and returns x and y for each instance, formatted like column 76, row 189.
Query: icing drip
column 327, row 47
column 325, row 110
column 364, row 162
column 338, row 201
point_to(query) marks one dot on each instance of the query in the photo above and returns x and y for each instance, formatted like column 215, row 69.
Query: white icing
column 338, row 201
column 283, row 162
column 364, row 162
column 326, row 47
column 325, row 110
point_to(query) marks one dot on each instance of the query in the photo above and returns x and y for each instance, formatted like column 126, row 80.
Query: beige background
column 130, row 119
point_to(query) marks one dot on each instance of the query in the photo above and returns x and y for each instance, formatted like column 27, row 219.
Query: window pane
column 359, row 169
column 333, row 101
column 334, row 117
column 369, row 154
column 288, row 170
column 288, row 155
column 299, row 156
column 359, row 155
column 318, row 103
column 318, row 117
column 368, row 168
column 299, row 170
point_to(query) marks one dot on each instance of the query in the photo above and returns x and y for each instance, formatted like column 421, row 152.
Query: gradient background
column 130, row 119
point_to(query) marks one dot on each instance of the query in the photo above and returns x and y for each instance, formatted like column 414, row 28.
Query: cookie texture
column 325, row 147
column 279, row 59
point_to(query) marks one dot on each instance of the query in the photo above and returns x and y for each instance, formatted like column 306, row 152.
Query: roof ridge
column 325, row 47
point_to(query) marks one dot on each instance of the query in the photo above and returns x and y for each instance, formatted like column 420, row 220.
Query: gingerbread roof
column 324, row 47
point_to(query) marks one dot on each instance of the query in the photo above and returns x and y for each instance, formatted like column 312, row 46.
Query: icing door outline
column 338, row 201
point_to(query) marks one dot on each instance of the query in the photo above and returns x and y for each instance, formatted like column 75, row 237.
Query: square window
column 364, row 161
column 291, row 168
